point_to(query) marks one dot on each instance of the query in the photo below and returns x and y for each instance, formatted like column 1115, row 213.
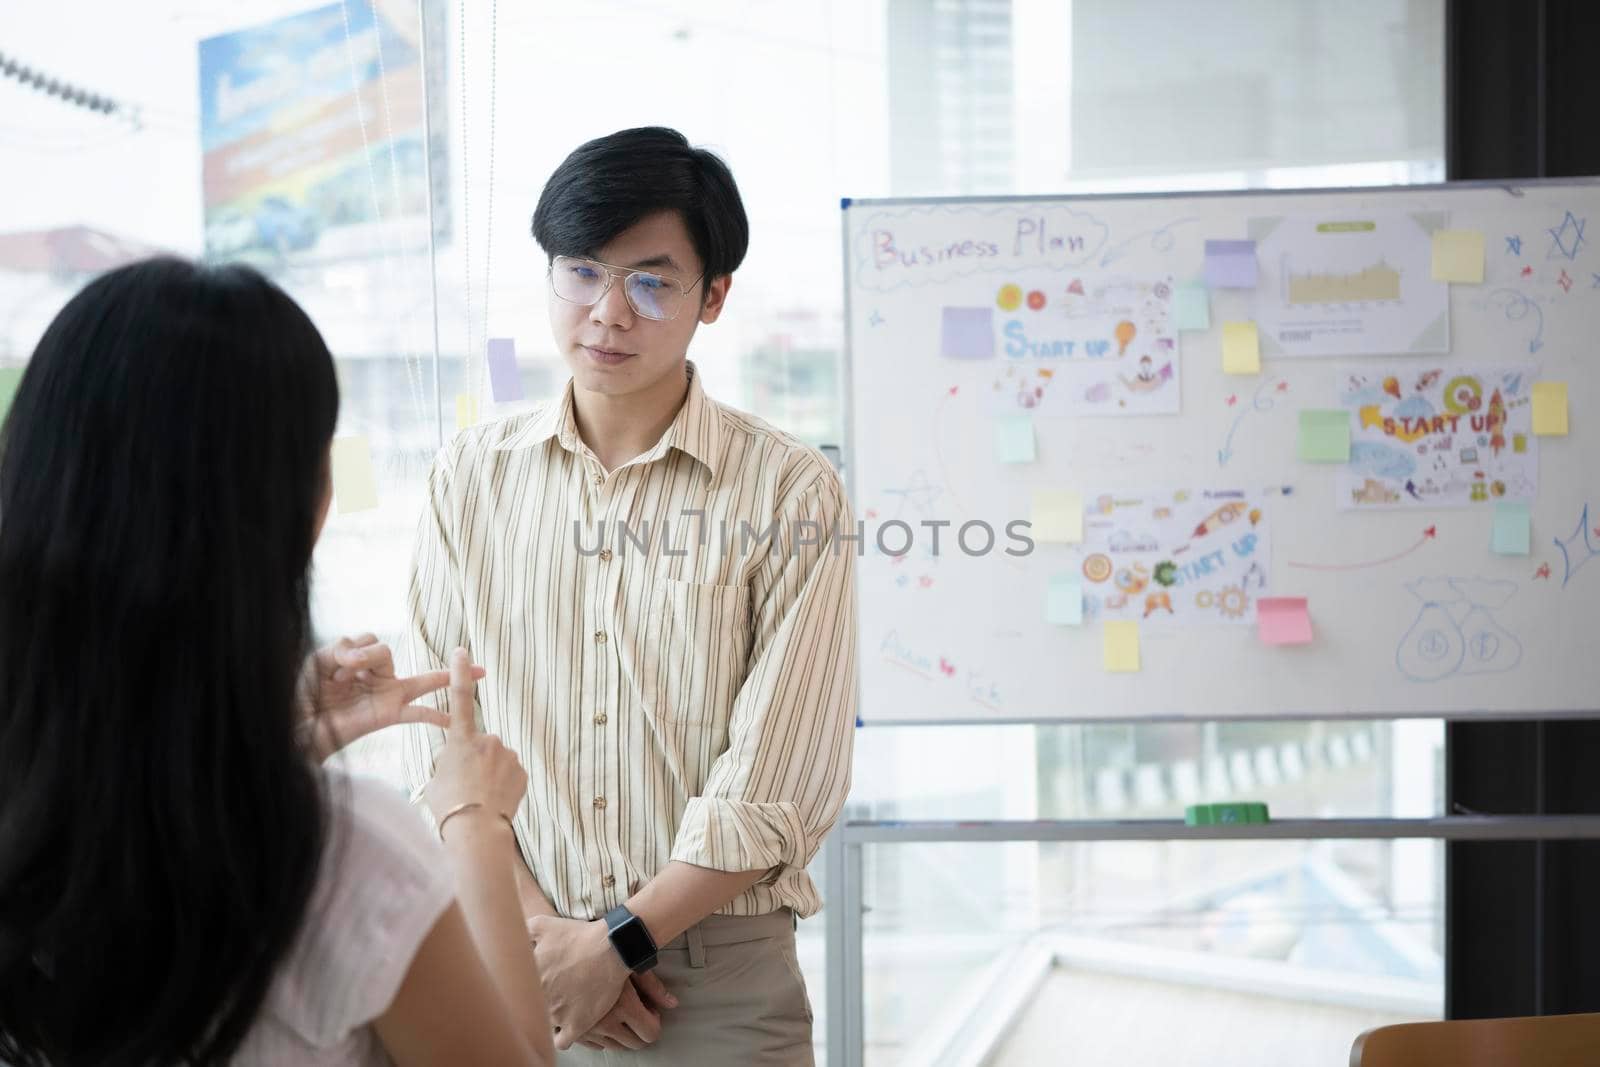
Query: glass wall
column 290, row 134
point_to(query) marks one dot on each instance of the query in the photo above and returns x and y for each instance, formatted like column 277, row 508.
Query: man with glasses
column 662, row 590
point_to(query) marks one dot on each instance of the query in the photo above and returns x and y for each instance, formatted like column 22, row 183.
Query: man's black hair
column 612, row 182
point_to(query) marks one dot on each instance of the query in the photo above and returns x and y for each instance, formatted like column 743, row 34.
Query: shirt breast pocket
column 695, row 641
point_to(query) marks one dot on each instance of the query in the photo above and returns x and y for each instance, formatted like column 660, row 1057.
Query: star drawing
column 1578, row 549
column 920, row 494
column 1567, row 238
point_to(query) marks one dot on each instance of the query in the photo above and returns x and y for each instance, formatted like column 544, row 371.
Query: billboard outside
column 288, row 168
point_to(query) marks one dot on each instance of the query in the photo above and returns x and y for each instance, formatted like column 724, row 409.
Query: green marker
column 1225, row 814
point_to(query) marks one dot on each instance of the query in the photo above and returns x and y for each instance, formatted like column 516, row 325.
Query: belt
column 717, row 930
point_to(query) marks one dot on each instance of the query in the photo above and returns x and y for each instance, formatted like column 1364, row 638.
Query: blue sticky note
column 1512, row 524
column 968, row 333
column 1191, row 308
column 505, row 383
column 1064, row 603
column 1013, row 439
column 1231, row 264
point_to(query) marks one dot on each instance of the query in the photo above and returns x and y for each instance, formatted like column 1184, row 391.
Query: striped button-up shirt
column 670, row 647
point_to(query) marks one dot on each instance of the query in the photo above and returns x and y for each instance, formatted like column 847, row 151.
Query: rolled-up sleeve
column 775, row 792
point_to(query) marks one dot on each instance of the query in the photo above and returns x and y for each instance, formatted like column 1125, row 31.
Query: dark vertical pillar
column 1522, row 100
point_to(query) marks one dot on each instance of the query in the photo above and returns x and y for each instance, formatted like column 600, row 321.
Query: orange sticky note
column 1283, row 620
column 1121, row 647
column 1241, row 348
column 1550, row 409
column 354, row 488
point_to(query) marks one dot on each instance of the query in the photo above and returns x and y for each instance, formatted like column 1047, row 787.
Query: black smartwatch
column 631, row 940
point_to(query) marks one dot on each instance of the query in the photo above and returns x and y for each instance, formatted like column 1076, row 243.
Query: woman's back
column 382, row 885
column 161, row 476
column 179, row 883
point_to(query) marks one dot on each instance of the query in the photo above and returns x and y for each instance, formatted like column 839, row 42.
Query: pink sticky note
column 1283, row 620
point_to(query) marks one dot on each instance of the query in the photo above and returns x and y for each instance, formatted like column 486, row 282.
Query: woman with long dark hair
column 179, row 881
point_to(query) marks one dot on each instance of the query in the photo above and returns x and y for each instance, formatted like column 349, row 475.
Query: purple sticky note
column 1231, row 264
column 505, row 382
column 1283, row 620
column 968, row 333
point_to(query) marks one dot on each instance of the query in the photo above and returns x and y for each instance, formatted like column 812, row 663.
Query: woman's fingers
column 412, row 713
column 463, row 722
column 364, row 652
column 419, row 685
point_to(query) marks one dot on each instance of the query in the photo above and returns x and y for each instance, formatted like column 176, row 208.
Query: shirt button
column 605, row 555
column 599, row 479
column 600, row 718
column 599, row 637
column 600, row 802
column 609, row 880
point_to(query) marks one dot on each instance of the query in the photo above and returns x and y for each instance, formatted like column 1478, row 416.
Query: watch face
column 633, row 942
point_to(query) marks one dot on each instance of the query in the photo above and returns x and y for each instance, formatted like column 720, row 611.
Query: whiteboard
column 954, row 308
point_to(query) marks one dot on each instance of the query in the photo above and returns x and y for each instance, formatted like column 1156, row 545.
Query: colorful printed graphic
column 1439, row 437
column 1179, row 555
column 1077, row 345
column 1349, row 286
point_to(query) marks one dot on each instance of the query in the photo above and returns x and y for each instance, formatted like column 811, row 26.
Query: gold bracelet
column 468, row 806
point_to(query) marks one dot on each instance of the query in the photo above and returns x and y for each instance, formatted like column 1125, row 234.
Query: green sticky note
column 354, row 487
column 1241, row 348
column 1325, row 436
column 1191, row 307
column 10, row 378
column 1064, row 601
column 1458, row 256
column 1014, row 439
column 1512, row 523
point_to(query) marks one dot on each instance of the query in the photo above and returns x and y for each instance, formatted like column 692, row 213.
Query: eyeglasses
column 586, row 281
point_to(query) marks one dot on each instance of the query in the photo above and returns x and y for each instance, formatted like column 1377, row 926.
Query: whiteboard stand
column 843, row 852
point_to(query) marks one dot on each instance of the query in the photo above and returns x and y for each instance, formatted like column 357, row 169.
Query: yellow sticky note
column 1550, row 409
column 354, row 488
column 1122, row 647
column 1458, row 256
column 466, row 410
column 1058, row 516
column 1241, row 348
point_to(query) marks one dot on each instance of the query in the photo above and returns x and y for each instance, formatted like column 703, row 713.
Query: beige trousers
column 741, row 1000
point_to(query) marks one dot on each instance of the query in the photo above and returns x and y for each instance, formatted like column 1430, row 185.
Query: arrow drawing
column 1516, row 306
column 1427, row 535
column 1262, row 401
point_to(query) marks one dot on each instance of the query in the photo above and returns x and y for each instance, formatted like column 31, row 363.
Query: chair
column 1538, row 1041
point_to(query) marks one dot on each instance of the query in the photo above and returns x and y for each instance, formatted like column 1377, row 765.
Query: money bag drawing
column 1455, row 631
